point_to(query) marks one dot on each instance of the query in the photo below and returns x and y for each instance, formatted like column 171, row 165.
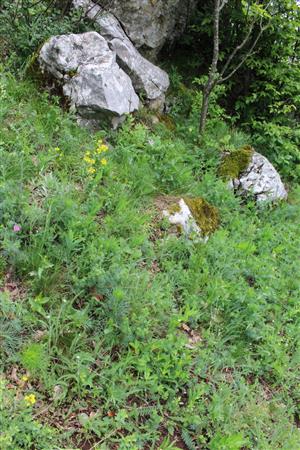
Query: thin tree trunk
column 215, row 78
column 204, row 110
column 212, row 76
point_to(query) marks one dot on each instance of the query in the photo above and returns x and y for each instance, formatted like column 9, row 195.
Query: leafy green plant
column 233, row 442
column 33, row 357
column 281, row 144
column 19, row 429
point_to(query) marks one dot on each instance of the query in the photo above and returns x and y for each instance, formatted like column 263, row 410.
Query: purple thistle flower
column 17, row 228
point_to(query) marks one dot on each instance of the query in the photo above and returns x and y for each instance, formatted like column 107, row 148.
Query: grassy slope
column 129, row 340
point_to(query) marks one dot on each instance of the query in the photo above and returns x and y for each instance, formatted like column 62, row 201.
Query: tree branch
column 221, row 80
column 237, row 49
column 215, row 58
column 222, row 5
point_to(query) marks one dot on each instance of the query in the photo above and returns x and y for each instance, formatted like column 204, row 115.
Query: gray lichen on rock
column 249, row 172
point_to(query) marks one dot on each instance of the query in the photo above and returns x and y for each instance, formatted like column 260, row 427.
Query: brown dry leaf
column 57, row 391
column 96, row 295
column 38, row 335
column 14, row 375
column 193, row 336
column 35, row 161
column 185, row 327
column 13, row 287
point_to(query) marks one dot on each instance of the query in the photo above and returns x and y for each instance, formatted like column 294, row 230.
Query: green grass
column 134, row 339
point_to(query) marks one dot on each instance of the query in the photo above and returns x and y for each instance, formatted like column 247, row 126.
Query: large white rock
column 148, row 79
column 151, row 23
column 91, row 78
column 260, row 179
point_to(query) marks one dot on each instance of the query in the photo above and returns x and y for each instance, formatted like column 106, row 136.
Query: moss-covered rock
column 250, row 173
column 194, row 217
column 235, row 163
column 205, row 215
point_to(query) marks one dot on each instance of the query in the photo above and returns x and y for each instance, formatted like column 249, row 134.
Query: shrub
column 25, row 25
column 282, row 145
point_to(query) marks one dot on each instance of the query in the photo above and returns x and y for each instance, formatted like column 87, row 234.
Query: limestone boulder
column 148, row 79
column 249, row 172
column 151, row 23
column 91, row 79
column 261, row 179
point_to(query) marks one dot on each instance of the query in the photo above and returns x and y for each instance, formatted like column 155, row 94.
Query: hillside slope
column 116, row 334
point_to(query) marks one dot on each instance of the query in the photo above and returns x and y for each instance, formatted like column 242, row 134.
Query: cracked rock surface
column 147, row 78
column 149, row 24
column 91, row 78
column 261, row 179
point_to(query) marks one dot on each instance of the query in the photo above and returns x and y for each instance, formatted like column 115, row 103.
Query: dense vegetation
column 113, row 332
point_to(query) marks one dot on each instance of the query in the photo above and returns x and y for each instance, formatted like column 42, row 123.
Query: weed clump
column 235, row 163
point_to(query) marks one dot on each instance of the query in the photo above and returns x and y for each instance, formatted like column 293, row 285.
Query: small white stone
column 184, row 219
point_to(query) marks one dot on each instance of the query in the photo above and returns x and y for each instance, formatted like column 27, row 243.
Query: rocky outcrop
column 148, row 80
column 250, row 172
column 262, row 180
column 90, row 76
column 195, row 218
column 151, row 23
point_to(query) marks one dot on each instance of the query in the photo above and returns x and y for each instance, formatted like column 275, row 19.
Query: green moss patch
column 174, row 208
column 167, row 121
column 72, row 73
column 236, row 162
column 205, row 215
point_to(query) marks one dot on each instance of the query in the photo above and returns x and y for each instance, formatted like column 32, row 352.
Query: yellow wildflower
column 103, row 161
column 89, row 160
column 91, row 170
column 25, row 378
column 30, row 399
column 102, row 148
column 88, row 153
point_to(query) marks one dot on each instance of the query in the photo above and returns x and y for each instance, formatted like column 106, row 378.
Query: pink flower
column 17, row 228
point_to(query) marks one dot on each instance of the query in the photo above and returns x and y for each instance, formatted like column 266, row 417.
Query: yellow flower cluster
column 58, row 152
column 30, row 399
column 101, row 148
column 92, row 158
